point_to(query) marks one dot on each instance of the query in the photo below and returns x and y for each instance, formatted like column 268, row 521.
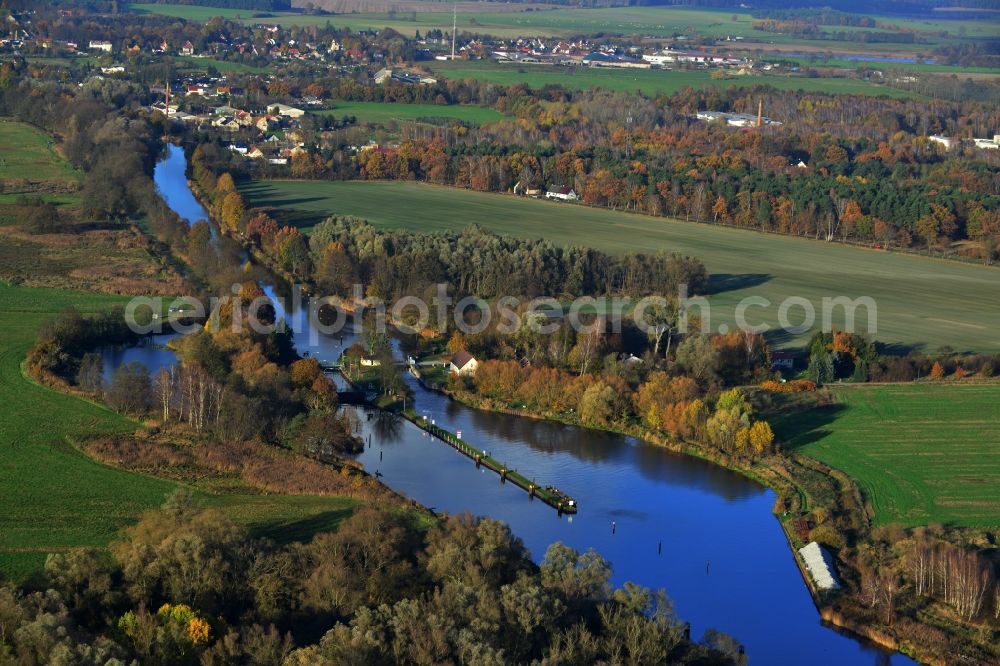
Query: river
column 725, row 561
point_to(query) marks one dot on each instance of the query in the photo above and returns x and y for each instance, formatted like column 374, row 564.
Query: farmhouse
column 463, row 363
column 820, row 566
column 563, row 193
column 187, row 49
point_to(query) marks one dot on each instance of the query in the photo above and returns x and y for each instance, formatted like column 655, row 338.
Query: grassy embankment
column 923, row 303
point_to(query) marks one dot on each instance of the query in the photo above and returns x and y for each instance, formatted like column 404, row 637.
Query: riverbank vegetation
column 49, row 238
column 185, row 586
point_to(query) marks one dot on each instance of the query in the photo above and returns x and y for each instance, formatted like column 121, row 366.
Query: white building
column 819, row 563
column 988, row 144
column 285, row 110
column 100, row 45
column 463, row 363
column 943, row 140
column 563, row 193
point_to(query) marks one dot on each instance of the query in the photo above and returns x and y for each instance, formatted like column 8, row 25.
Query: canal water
column 170, row 176
column 724, row 561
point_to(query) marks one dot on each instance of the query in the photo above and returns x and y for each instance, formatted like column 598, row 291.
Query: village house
column 463, row 363
column 227, row 124
column 265, row 123
column 563, row 193
column 100, row 45
column 187, row 49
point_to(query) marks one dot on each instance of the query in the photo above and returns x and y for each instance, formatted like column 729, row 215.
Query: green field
column 820, row 60
column 923, row 453
column 648, row 81
column 921, row 302
column 223, row 66
column 28, row 153
column 53, row 497
column 381, row 112
column 658, row 22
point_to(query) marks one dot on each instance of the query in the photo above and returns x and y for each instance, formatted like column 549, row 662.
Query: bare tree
column 165, row 385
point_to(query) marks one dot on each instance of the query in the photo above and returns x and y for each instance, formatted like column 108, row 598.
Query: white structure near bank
column 820, row 565
column 463, row 363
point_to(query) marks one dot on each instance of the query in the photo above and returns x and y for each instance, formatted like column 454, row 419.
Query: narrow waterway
column 663, row 520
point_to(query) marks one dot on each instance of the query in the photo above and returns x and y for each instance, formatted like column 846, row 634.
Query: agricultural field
column 657, row 22
column 650, row 82
column 383, row 112
column 922, row 303
column 924, row 453
column 29, row 154
column 54, row 496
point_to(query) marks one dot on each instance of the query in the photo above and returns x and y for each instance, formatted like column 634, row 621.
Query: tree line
column 187, row 586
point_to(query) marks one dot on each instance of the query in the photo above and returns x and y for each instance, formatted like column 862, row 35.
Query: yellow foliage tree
column 761, row 437
column 232, row 211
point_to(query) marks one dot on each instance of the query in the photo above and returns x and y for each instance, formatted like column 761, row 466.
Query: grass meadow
column 53, row 497
column 648, row 81
column 383, row 112
column 921, row 302
column 924, row 453
column 29, row 154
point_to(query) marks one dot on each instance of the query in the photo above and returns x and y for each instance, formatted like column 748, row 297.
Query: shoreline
column 772, row 480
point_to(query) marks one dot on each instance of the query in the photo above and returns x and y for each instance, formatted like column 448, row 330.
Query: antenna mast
column 454, row 27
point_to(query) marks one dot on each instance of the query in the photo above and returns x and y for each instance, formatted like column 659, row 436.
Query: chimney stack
column 760, row 112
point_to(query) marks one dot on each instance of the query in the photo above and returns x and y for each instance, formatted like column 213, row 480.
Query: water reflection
column 171, row 182
column 388, row 428
column 151, row 352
